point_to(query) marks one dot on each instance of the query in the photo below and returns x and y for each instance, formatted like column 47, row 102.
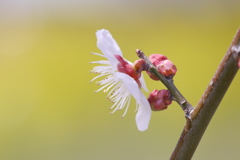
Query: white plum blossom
column 120, row 86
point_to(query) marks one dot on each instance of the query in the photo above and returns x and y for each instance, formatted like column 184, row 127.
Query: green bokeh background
column 48, row 110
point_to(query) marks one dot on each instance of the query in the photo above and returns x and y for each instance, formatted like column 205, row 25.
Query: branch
column 208, row 104
column 178, row 97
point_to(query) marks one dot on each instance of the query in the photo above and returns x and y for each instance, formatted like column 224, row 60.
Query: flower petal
column 143, row 84
column 144, row 114
column 108, row 46
column 130, row 84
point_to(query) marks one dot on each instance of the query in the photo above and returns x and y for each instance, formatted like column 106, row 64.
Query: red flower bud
column 164, row 66
column 157, row 58
column 139, row 66
column 159, row 99
column 167, row 68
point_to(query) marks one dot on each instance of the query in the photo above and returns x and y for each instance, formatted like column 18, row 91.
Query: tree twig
column 208, row 104
column 178, row 97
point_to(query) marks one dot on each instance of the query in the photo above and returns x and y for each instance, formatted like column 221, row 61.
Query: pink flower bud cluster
column 159, row 99
column 164, row 66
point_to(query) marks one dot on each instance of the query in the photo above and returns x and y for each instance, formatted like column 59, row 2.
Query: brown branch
column 208, row 104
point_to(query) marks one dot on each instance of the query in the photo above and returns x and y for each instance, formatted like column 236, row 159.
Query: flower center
column 127, row 68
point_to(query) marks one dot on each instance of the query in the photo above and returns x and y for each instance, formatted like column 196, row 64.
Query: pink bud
column 167, row 68
column 157, row 58
column 164, row 66
column 159, row 99
column 139, row 65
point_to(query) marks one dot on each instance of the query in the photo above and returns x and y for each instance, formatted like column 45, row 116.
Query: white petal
column 130, row 84
column 144, row 114
column 143, row 84
column 108, row 46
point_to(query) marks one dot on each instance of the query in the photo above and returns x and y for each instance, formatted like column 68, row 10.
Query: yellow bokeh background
column 48, row 108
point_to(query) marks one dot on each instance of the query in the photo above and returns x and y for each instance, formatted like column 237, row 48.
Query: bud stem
column 178, row 97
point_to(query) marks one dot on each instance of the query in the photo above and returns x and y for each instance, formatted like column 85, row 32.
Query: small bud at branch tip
column 140, row 54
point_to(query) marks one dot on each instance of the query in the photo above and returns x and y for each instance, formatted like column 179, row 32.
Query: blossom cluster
column 123, row 80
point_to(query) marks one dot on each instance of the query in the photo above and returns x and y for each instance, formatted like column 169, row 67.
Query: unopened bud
column 167, row 68
column 164, row 66
column 139, row 65
column 159, row 99
column 156, row 59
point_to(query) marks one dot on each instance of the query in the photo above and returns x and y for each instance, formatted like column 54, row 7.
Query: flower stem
column 178, row 97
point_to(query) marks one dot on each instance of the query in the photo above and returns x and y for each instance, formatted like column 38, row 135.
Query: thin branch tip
column 168, row 82
column 140, row 53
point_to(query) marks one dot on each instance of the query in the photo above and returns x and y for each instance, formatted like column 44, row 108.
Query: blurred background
column 48, row 108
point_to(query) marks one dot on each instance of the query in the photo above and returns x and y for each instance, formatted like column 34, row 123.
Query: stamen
column 121, row 100
column 98, row 77
column 114, row 105
column 103, row 87
column 113, row 92
column 108, row 79
column 101, row 62
column 126, row 106
column 118, row 94
column 97, row 54
column 137, row 107
column 103, row 69
column 109, row 86
column 114, row 109
column 125, row 99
